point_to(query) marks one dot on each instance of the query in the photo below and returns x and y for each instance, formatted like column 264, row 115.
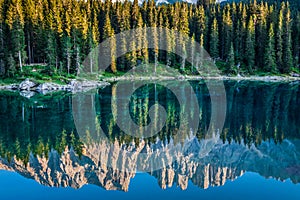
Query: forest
column 53, row 37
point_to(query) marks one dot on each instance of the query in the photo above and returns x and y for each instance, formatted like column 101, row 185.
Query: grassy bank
column 38, row 74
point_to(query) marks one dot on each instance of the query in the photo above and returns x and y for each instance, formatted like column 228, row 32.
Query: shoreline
column 74, row 85
column 191, row 78
column 77, row 85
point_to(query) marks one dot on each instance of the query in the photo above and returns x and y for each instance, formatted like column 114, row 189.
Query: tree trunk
column 29, row 47
column 91, row 62
column 68, row 61
column 20, row 61
column 77, row 60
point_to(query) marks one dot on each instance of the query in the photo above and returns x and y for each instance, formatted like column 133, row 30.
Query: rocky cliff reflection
column 38, row 138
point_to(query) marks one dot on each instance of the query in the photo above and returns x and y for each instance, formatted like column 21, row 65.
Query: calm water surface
column 64, row 145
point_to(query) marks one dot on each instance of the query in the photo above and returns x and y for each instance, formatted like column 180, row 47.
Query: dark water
column 88, row 146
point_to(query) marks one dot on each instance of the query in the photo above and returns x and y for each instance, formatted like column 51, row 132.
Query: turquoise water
column 64, row 145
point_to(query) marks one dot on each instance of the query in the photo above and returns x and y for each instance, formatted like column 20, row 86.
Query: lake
column 133, row 140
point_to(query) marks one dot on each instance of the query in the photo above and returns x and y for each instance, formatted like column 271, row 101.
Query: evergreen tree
column 30, row 21
column 214, row 40
column 296, row 40
column 135, row 14
column 226, row 32
column 250, row 45
column 287, row 60
column 279, row 42
column 230, row 65
column 108, row 32
column 261, row 33
column 2, row 47
column 184, row 30
column 15, row 22
column 269, row 55
column 93, row 37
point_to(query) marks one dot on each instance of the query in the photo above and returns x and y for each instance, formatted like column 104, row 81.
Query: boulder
column 74, row 85
column 10, row 87
column 181, row 77
column 295, row 75
column 48, row 87
column 27, row 85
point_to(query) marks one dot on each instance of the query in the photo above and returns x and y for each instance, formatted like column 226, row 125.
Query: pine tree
column 108, row 32
column 214, row 40
column 51, row 44
column 279, row 44
column 262, row 33
column 250, row 45
column 184, row 30
column 66, row 39
column 242, row 34
column 67, row 52
column 2, row 47
column 145, row 51
column 30, row 21
column 15, row 22
column 269, row 54
column 93, row 38
column 230, row 65
column 226, row 32
column 200, row 22
column 169, row 42
column 287, row 41
column 296, row 40
column 135, row 12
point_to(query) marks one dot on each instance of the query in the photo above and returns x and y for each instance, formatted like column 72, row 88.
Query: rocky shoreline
column 83, row 85
column 28, row 88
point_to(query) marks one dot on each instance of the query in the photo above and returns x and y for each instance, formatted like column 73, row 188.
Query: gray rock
column 9, row 87
column 75, row 85
column 49, row 87
column 27, row 85
column 180, row 77
column 44, row 88
column 295, row 75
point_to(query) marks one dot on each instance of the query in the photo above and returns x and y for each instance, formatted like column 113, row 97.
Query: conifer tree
column 93, row 38
column 262, row 33
column 30, row 21
column 51, row 43
column 108, row 32
column 250, row 45
column 2, row 47
column 214, row 40
column 66, row 39
column 184, row 30
column 279, row 33
column 269, row 54
column 296, row 40
column 135, row 14
column 15, row 22
column 226, row 32
column 230, row 62
column 287, row 60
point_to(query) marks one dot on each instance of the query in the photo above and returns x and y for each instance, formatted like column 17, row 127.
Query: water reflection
column 38, row 138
